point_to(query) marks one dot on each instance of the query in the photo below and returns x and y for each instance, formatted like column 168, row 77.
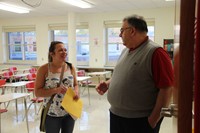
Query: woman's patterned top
column 52, row 81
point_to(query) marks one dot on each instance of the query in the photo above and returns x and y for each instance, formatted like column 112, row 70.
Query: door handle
column 172, row 110
column 192, row 114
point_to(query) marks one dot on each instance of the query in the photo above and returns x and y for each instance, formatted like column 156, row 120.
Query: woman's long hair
column 52, row 48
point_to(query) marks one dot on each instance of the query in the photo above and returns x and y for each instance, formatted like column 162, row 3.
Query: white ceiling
column 58, row 8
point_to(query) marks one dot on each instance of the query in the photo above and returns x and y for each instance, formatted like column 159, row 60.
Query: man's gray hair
column 138, row 22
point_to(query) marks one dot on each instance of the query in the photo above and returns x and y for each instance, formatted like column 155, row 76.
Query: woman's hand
column 61, row 90
column 76, row 97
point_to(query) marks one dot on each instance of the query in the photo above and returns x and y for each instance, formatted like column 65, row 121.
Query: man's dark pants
column 132, row 125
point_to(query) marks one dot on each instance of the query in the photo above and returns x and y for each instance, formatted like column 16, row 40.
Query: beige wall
column 164, row 28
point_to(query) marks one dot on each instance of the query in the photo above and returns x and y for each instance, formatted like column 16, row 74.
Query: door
column 197, row 70
column 176, row 60
column 183, row 66
column 185, row 70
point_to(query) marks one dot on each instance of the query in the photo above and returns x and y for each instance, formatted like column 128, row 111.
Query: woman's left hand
column 76, row 97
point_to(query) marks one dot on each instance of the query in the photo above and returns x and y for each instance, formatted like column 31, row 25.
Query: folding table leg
column 26, row 114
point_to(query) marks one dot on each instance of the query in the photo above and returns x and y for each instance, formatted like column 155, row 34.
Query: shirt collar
column 146, row 38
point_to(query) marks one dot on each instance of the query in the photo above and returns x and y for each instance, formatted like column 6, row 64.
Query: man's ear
column 133, row 31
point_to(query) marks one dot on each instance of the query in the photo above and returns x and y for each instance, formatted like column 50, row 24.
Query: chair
column 8, row 75
column 31, row 76
column 30, row 88
column 33, row 70
column 2, row 82
column 13, row 70
column 2, row 111
column 81, row 73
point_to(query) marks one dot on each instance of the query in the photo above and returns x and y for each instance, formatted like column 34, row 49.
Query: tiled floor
column 95, row 117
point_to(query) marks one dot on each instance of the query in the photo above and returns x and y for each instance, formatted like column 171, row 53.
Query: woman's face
column 60, row 52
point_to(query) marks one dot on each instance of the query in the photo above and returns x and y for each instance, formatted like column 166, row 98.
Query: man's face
column 125, row 34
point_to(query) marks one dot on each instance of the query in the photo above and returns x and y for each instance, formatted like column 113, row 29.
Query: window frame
column 107, row 25
column 22, row 29
column 83, row 25
column 118, row 24
column 58, row 26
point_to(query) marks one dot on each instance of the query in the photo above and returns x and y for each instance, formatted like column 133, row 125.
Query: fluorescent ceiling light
column 169, row 0
column 13, row 8
column 79, row 3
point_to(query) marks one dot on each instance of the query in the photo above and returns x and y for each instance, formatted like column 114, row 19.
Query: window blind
column 19, row 28
column 61, row 26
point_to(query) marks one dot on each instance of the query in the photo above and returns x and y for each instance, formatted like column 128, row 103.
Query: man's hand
column 152, row 122
column 102, row 88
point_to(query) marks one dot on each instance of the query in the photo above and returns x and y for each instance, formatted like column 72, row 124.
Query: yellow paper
column 73, row 107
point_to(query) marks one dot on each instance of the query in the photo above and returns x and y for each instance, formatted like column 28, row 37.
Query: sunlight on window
column 22, row 45
column 115, row 45
column 60, row 35
column 82, row 46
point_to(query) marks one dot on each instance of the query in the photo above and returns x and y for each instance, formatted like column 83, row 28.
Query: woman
column 46, row 85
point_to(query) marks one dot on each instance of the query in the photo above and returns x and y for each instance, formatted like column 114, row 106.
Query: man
column 141, row 83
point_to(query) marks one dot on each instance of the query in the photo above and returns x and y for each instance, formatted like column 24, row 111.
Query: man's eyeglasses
column 123, row 29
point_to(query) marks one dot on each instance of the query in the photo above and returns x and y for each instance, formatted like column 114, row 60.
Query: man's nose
column 120, row 34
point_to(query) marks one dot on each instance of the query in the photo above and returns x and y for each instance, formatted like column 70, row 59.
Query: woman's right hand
column 61, row 89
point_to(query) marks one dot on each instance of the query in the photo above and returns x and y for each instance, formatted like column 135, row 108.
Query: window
column 114, row 45
column 58, row 32
column 21, row 44
column 151, row 32
column 82, row 49
column 60, row 35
